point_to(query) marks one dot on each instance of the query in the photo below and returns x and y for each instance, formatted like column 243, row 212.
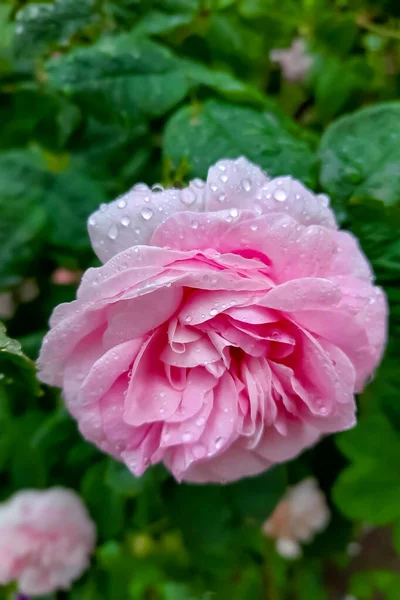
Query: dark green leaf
column 40, row 24
column 203, row 134
column 121, row 77
column 257, row 496
column 23, row 217
column 16, row 369
column 360, row 155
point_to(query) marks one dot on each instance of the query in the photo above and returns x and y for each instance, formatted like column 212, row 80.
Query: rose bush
column 229, row 328
column 46, row 539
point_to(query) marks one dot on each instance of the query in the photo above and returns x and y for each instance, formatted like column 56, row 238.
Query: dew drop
column 121, row 203
column 280, row 195
column 213, row 312
column 198, row 183
column 146, row 198
column 253, row 227
column 137, row 230
column 200, row 421
column 147, row 213
column 221, row 197
column 194, row 224
column 92, row 220
column 224, row 178
column 113, row 232
column 188, row 319
column 213, row 187
column 188, row 197
column 246, row 185
column 187, row 436
column 103, row 207
column 218, row 442
column 324, row 199
column 125, row 221
column 221, row 167
column 234, row 212
column 140, row 187
column 157, row 187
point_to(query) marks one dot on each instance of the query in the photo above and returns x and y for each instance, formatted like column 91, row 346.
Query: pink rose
column 228, row 329
column 295, row 61
column 300, row 514
column 46, row 538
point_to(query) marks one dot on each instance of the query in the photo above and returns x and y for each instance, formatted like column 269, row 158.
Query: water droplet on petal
column 147, row 213
column 246, row 185
column 213, row 312
column 137, row 230
column 213, row 187
column 198, row 183
column 194, row 224
column 121, row 203
column 200, row 421
column 103, row 207
column 218, row 442
column 187, row 436
column 125, row 221
column 221, row 167
column 188, row 319
column 140, row 187
column 147, row 198
column 113, row 232
column 324, row 199
column 221, row 197
column 157, row 187
column 253, row 227
column 92, row 220
column 224, row 178
column 188, row 196
column 234, row 212
column 280, row 195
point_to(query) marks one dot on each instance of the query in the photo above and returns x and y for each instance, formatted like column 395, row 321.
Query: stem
column 363, row 21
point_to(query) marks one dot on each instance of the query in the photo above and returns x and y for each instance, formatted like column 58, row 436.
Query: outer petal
column 242, row 185
column 234, row 183
column 131, row 219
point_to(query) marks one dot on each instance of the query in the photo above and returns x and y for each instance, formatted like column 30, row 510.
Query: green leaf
column 257, row 496
column 23, row 217
column 40, row 24
column 106, row 506
column 396, row 536
column 16, row 369
column 204, row 517
column 364, row 585
column 225, row 84
column 369, row 489
column 360, row 155
column 347, row 78
column 157, row 22
column 69, row 199
column 122, row 481
column 202, row 134
column 121, row 77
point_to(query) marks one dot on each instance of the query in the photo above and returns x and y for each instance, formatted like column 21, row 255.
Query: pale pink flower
column 301, row 514
column 295, row 62
column 28, row 290
column 63, row 276
column 7, row 305
column 227, row 330
column 46, row 538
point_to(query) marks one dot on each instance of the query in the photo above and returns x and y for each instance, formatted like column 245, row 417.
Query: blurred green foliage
column 96, row 95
